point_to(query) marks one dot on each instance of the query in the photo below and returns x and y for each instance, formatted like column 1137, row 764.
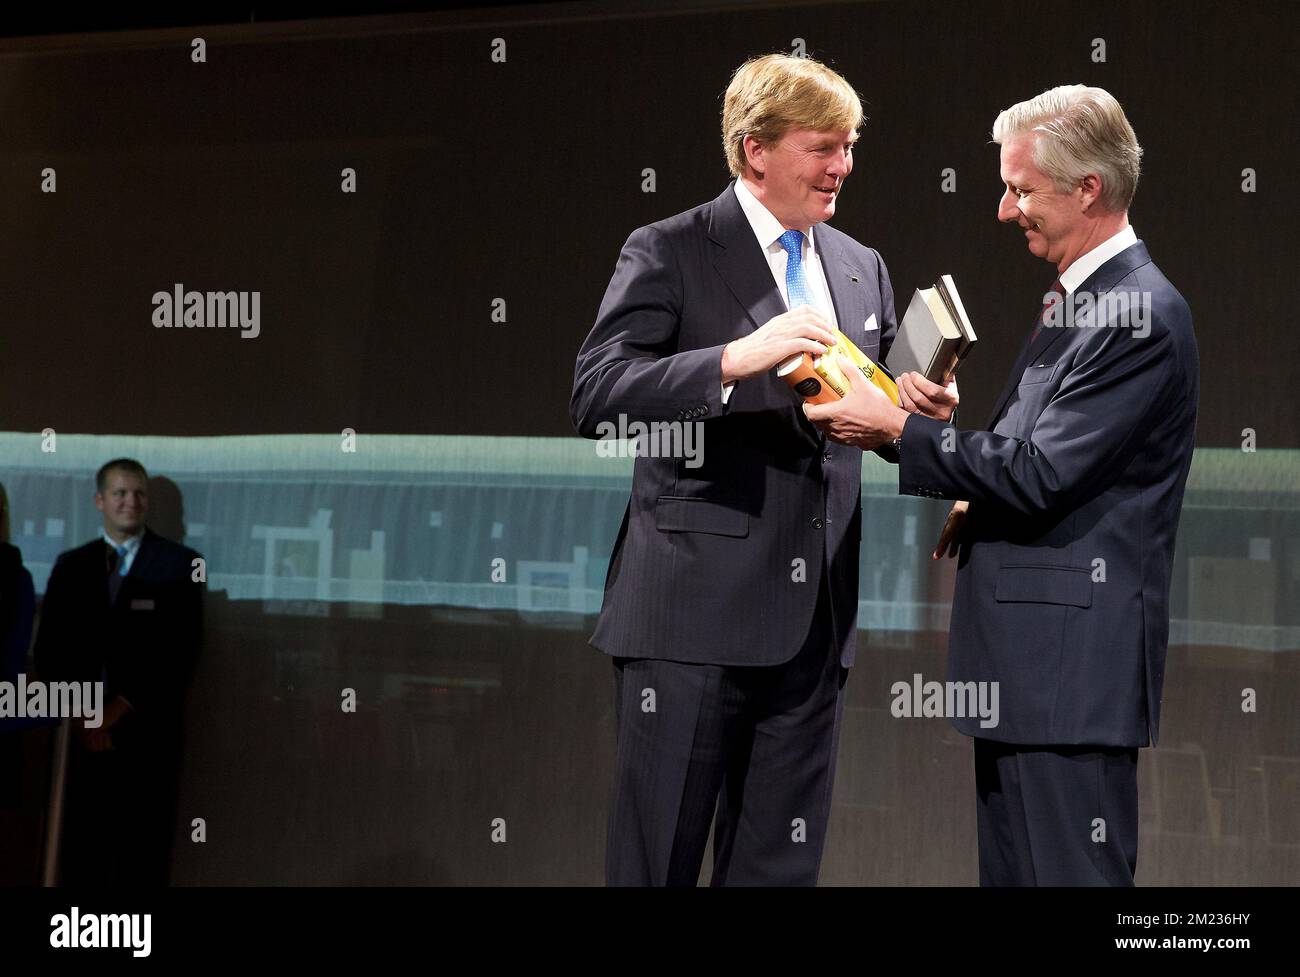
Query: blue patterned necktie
column 796, row 284
column 121, row 560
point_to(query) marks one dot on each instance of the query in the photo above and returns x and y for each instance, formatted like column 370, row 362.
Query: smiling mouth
column 830, row 190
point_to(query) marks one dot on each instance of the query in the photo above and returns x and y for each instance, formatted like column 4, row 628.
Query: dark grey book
column 935, row 334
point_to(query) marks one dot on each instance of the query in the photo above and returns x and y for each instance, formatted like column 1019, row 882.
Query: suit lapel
column 1029, row 352
column 741, row 262
column 1099, row 282
column 743, row 267
column 846, row 298
column 144, row 557
column 1116, row 269
column 841, row 275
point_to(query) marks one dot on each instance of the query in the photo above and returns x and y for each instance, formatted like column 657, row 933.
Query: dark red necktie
column 1054, row 295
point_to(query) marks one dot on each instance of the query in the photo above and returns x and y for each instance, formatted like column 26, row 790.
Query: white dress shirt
column 768, row 230
column 132, row 545
column 1086, row 264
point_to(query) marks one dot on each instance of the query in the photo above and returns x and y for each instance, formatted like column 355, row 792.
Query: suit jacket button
column 817, row 522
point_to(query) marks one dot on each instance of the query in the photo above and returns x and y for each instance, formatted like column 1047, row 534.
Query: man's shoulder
column 1147, row 284
column 90, row 548
column 1150, row 277
column 723, row 219
column 847, row 244
column 701, row 215
column 78, row 560
column 170, row 551
column 693, row 221
column 1129, row 297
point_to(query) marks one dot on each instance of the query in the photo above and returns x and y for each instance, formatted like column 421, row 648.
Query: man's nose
column 1008, row 210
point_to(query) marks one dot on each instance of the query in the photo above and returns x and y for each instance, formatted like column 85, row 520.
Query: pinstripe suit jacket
column 706, row 564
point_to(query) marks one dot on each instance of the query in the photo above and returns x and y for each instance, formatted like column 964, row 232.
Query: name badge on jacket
column 142, row 604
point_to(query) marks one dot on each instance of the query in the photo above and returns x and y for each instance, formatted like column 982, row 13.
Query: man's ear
column 1090, row 185
column 754, row 151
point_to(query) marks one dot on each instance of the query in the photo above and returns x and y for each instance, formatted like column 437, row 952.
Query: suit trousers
column 755, row 743
column 1056, row 815
column 120, row 816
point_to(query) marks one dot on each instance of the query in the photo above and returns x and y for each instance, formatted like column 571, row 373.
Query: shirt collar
column 766, row 227
column 1086, row 264
column 132, row 543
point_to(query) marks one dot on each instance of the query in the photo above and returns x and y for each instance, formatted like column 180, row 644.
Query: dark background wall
column 520, row 181
column 478, row 180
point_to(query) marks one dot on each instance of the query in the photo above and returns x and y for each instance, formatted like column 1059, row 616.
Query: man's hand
column 95, row 740
column 801, row 330
column 99, row 738
column 115, row 710
column 948, row 538
column 922, row 396
column 864, row 417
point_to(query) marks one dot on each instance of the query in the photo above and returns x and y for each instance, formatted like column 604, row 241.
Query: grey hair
column 1080, row 130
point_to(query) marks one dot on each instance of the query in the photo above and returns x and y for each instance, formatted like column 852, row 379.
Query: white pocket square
column 871, row 323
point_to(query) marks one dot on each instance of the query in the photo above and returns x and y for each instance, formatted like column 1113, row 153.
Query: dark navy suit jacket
column 144, row 644
column 703, row 569
column 1062, row 592
column 17, row 611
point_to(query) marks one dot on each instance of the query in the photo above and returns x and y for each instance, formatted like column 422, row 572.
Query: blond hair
column 1079, row 130
column 773, row 94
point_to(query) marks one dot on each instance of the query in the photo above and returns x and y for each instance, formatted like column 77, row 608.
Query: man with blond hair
column 1074, row 491
column 125, row 609
column 731, row 600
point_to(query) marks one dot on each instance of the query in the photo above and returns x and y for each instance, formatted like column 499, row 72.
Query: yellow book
column 821, row 379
